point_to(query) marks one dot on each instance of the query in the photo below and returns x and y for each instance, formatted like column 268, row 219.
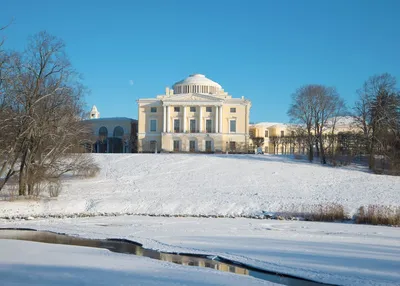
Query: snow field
column 219, row 185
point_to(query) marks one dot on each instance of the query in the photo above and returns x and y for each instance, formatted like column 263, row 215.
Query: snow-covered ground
column 228, row 185
column 32, row 263
column 344, row 254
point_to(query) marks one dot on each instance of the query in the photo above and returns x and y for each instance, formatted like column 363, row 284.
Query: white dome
column 196, row 83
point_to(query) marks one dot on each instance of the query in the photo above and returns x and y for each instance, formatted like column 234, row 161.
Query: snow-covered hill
column 183, row 184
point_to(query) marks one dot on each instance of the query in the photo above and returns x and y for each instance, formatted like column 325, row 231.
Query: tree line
column 41, row 107
column 375, row 128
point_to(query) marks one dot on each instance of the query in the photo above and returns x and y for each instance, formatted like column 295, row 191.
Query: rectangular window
column 177, row 125
column 177, row 109
column 282, row 133
column 233, row 109
column 251, row 133
column 153, row 109
column 208, row 146
column 208, row 125
column 153, row 125
column 232, row 126
column 208, row 109
column 193, row 109
column 266, row 133
column 176, row 145
column 192, row 125
column 192, row 146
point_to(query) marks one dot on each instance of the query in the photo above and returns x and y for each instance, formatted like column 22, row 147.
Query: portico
column 187, row 118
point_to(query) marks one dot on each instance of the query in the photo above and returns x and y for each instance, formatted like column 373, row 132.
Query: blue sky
column 263, row 50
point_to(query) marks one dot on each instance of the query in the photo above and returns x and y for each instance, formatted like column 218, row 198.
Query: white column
column 168, row 118
column 220, row 119
column 165, row 119
column 216, row 119
column 184, row 119
column 200, row 119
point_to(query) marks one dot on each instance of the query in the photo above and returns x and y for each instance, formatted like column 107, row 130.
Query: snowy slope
column 183, row 184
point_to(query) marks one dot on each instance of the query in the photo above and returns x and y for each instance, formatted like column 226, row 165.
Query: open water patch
column 130, row 247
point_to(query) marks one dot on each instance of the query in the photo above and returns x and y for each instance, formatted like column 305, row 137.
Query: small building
column 196, row 115
column 267, row 132
column 113, row 134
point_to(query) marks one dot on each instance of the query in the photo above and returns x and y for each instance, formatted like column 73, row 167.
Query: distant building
column 276, row 136
column 112, row 135
column 268, row 131
column 196, row 115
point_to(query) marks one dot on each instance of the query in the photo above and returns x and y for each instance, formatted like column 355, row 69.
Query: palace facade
column 196, row 115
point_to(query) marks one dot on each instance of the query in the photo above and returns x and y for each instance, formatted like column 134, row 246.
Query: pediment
column 192, row 97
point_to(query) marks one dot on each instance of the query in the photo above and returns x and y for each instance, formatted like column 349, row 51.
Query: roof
column 198, row 79
column 111, row 119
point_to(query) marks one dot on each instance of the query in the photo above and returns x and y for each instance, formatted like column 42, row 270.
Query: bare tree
column 329, row 106
column 377, row 114
column 301, row 112
column 312, row 108
column 43, row 96
column 258, row 141
column 275, row 141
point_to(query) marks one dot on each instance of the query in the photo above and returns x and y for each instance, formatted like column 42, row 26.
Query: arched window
column 118, row 131
column 103, row 132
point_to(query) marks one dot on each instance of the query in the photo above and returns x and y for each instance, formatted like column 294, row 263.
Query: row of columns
column 167, row 119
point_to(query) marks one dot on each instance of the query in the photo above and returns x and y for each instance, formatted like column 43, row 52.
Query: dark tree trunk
column 22, row 177
column 310, row 153
column 323, row 158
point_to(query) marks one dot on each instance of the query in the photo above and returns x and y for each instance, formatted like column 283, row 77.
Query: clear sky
column 262, row 50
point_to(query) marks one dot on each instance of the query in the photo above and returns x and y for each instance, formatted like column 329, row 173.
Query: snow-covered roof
column 342, row 121
column 198, row 79
column 267, row 124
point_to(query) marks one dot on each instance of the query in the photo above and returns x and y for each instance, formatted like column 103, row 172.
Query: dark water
column 130, row 247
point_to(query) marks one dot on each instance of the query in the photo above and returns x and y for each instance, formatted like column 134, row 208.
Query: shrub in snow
column 378, row 214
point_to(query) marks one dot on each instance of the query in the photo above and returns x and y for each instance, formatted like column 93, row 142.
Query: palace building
column 196, row 115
